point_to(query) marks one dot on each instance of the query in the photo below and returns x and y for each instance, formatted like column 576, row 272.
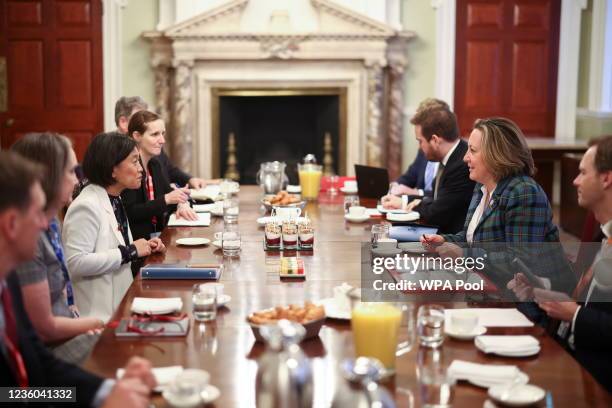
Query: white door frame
column 112, row 61
column 567, row 76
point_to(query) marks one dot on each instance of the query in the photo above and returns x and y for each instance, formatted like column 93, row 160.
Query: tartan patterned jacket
column 518, row 223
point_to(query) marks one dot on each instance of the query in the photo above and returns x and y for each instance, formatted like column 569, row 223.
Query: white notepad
column 202, row 221
column 494, row 317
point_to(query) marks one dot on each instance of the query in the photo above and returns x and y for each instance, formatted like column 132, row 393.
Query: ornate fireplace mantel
column 231, row 47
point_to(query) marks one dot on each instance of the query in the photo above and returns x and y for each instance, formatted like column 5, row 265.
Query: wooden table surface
column 227, row 348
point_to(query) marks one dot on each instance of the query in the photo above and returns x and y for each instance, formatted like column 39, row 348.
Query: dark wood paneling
column 73, row 13
column 484, row 15
column 506, row 62
column 25, row 69
column 24, row 13
column 54, row 69
column 572, row 216
column 483, row 60
column 75, row 73
column 527, row 14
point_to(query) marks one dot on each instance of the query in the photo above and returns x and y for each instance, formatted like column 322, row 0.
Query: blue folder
column 178, row 271
column 410, row 233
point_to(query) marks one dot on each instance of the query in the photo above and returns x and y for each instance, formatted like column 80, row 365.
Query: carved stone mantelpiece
column 231, row 47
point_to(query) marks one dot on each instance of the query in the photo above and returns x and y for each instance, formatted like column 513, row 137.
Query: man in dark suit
column 24, row 360
column 125, row 107
column 418, row 179
column 437, row 132
column 586, row 319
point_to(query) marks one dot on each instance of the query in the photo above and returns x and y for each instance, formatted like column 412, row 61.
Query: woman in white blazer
column 98, row 241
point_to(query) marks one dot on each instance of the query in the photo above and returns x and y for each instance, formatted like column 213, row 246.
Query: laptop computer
column 372, row 182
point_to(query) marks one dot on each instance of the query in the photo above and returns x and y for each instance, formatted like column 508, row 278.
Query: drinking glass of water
column 349, row 201
column 204, row 300
column 230, row 210
column 430, row 325
column 435, row 385
column 230, row 242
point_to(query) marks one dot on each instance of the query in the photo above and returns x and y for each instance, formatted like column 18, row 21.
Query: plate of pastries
column 310, row 316
column 282, row 199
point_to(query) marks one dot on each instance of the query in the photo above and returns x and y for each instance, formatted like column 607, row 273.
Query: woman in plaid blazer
column 509, row 215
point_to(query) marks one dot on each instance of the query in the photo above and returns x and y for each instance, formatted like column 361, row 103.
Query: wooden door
column 52, row 54
column 506, row 62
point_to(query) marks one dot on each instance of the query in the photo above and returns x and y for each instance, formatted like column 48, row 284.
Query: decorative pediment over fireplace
column 252, row 44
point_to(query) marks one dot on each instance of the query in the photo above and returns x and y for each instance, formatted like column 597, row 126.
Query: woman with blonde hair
column 508, row 207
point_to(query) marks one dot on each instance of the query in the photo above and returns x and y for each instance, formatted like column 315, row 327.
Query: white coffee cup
column 387, row 243
column 464, row 321
column 357, row 211
column 286, row 213
column 350, row 185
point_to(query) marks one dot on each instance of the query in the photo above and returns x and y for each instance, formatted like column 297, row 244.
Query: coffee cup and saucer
column 464, row 326
column 356, row 213
column 190, row 389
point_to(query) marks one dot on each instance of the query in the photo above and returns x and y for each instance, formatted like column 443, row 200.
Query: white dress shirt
column 469, row 235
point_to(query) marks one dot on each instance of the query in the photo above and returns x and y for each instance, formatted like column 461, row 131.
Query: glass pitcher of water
column 271, row 177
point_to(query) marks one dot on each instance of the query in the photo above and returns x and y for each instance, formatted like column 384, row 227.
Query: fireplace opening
column 279, row 125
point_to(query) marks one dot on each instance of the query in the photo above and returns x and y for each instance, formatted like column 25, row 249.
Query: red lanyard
column 11, row 340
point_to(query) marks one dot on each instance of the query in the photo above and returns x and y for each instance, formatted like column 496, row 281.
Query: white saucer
column 192, row 241
column 403, row 217
column 348, row 190
column 210, row 394
column 207, row 396
column 520, row 379
column 223, row 300
column 217, row 243
column 363, row 218
column 384, row 210
column 517, row 395
column 386, row 251
column 465, row 336
column 332, row 310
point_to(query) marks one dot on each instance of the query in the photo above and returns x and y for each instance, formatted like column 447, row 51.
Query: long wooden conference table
column 227, row 347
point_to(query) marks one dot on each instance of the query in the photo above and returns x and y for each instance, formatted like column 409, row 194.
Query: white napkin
column 202, row 221
column 163, row 375
column 494, row 317
column 523, row 344
column 156, row 305
column 482, row 373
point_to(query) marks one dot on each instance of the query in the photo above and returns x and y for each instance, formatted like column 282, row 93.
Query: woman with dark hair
column 98, row 241
column 148, row 207
column 509, row 215
column 45, row 284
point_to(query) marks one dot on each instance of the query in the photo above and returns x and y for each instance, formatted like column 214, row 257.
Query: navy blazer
column 43, row 368
column 448, row 211
column 414, row 177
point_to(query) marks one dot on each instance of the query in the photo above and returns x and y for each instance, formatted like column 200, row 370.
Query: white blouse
column 469, row 235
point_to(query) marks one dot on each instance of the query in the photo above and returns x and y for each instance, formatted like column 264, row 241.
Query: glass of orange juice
column 376, row 330
column 310, row 180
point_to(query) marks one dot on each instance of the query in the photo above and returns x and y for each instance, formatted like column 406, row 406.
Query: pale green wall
column 585, row 55
column 418, row 16
column 138, row 16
